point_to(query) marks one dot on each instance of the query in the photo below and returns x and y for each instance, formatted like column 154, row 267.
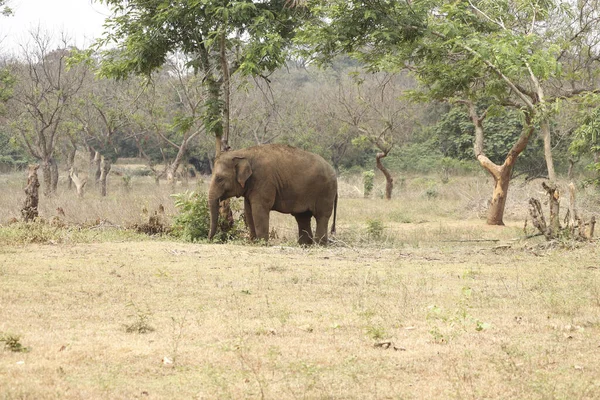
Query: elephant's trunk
column 213, row 205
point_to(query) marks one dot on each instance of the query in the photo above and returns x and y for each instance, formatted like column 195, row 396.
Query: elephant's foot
column 305, row 239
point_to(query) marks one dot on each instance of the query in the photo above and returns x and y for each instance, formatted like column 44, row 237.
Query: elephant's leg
column 249, row 218
column 321, row 230
column 260, row 217
column 304, row 229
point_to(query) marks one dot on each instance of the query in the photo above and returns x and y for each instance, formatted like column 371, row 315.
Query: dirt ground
column 158, row 319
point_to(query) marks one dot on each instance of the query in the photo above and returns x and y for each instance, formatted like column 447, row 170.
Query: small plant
column 13, row 343
column 141, row 323
column 38, row 231
column 431, row 193
column 376, row 332
column 193, row 221
column 126, row 182
column 375, row 228
column 368, row 182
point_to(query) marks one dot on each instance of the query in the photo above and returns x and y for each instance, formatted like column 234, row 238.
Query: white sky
column 81, row 20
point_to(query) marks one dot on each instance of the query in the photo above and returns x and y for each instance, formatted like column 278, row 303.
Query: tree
column 44, row 90
column 370, row 104
column 503, row 53
column 220, row 38
column 102, row 114
column 5, row 10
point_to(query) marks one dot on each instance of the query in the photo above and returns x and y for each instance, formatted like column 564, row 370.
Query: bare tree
column 370, row 104
column 44, row 90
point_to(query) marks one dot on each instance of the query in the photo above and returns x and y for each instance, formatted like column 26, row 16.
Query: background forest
column 429, row 87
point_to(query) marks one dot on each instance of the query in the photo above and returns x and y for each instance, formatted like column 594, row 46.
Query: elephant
column 276, row 177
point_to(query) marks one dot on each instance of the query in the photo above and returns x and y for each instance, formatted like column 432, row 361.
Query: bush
column 368, row 182
column 375, row 228
column 193, row 221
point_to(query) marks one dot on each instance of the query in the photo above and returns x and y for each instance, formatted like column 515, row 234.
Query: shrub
column 13, row 343
column 375, row 228
column 368, row 182
column 193, row 221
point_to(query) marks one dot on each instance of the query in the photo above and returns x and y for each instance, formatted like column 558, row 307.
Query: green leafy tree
column 219, row 37
column 509, row 53
column 586, row 140
column 5, row 10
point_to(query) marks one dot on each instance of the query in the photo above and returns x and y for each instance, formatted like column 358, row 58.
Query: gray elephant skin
column 280, row 178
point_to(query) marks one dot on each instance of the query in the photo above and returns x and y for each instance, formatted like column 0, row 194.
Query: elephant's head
column 230, row 175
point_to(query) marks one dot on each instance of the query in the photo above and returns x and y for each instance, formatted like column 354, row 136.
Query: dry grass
column 412, row 310
column 230, row 321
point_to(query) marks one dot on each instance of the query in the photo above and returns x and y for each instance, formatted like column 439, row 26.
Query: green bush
column 193, row 221
column 368, row 182
column 375, row 228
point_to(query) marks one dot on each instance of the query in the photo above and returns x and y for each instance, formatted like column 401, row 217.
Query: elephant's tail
column 334, row 214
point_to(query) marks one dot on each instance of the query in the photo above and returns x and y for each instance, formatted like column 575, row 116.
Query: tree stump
column 32, row 197
column 576, row 226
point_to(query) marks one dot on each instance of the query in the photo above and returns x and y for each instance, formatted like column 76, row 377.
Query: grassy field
column 417, row 298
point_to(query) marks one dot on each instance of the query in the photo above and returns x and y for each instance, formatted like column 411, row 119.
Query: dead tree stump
column 32, row 197
column 576, row 226
column 537, row 217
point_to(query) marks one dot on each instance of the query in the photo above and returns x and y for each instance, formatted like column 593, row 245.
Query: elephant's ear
column 243, row 170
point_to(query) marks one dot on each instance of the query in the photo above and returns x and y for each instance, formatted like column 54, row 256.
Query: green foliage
column 375, row 228
column 4, row 9
column 193, row 221
column 448, row 324
column 586, row 138
column 7, row 82
column 376, row 332
column 141, row 320
column 368, row 182
column 12, row 153
column 250, row 37
column 38, row 231
column 13, row 343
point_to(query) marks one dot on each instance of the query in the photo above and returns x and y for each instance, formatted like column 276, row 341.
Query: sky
column 81, row 19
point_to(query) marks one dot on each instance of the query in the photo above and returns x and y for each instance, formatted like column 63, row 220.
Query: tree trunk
column 389, row 181
column 500, row 173
column 97, row 167
column 171, row 171
column 71, row 164
column 54, row 174
column 226, row 95
column 47, row 176
column 501, row 177
column 79, row 183
column 545, row 128
column 553, row 198
column 571, row 167
column 572, row 209
column 30, row 207
column 105, row 166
